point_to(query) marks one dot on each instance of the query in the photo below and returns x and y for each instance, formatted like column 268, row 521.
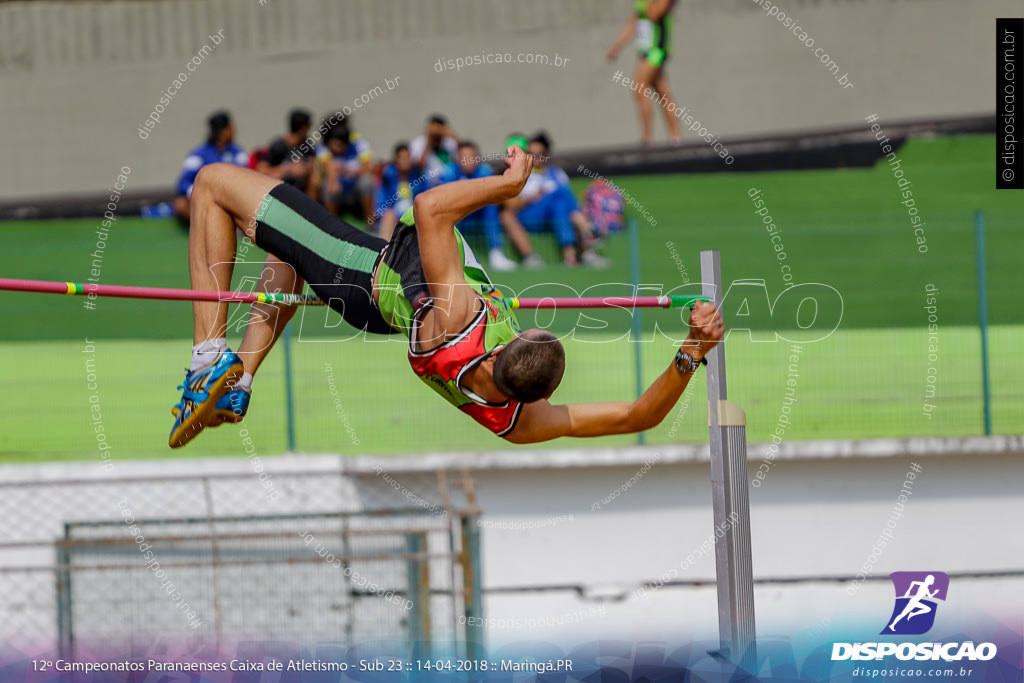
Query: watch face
column 684, row 362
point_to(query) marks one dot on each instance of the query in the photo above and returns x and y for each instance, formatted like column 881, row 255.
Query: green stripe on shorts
column 655, row 56
column 282, row 218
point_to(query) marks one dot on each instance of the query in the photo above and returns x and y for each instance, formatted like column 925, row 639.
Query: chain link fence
column 125, row 563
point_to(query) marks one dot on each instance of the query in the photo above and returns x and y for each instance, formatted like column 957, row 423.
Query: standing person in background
column 219, row 146
column 435, row 150
column 400, row 182
column 651, row 23
column 291, row 158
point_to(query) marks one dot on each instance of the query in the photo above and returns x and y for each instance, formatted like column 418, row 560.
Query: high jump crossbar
column 730, row 496
column 80, row 289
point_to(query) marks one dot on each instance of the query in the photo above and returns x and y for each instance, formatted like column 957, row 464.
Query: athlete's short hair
column 530, row 367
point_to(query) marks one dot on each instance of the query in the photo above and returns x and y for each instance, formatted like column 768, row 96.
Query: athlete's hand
column 612, row 53
column 706, row 328
column 520, row 165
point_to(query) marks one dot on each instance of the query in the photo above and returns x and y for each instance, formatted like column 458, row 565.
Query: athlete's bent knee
column 207, row 176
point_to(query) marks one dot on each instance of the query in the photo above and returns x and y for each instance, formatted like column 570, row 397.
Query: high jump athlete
column 464, row 339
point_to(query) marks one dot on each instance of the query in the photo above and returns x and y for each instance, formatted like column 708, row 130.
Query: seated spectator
column 348, row 173
column 219, row 146
column 547, row 203
column 291, row 158
column 318, row 139
column 483, row 220
column 400, row 182
column 435, row 150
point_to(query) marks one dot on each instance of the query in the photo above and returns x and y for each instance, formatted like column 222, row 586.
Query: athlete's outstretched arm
column 542, row 421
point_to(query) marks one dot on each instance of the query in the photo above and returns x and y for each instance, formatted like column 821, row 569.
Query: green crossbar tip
column 679, row 300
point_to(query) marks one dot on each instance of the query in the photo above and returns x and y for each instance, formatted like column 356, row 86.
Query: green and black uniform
column 653, row 38
column 338, row 261
column 335, row 258
column 402, row 285
column 443, row 364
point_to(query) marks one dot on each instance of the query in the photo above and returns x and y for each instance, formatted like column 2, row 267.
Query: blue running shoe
column 231, row 407
column 202, row 389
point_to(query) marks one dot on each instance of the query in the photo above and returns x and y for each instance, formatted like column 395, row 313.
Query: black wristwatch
column 685, row 363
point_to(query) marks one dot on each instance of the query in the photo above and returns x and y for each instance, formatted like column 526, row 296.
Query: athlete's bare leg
column 665, row 95
column 224, row 196
column 644, row 78
column 267, row 321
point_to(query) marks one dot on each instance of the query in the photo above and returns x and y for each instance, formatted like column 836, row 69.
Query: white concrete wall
column 78, row 78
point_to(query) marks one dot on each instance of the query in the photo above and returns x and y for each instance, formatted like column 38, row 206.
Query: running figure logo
column 916, row 596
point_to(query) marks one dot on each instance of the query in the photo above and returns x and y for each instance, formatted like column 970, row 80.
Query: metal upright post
column 289, row 389
column 730, row 496
column 986, row 387
column 637, row 329
column 472, row 584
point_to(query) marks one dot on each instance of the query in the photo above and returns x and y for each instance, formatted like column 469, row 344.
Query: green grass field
column 135, row 390
column 844, row 228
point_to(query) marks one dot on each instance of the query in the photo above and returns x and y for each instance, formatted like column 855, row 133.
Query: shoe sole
column 219, row 417
column 226, row 416
column 196, row 423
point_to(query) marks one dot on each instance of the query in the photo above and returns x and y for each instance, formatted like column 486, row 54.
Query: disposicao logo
column 917, row 598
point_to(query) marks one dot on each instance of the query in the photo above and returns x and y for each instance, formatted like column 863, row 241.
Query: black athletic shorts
column 335, row 258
